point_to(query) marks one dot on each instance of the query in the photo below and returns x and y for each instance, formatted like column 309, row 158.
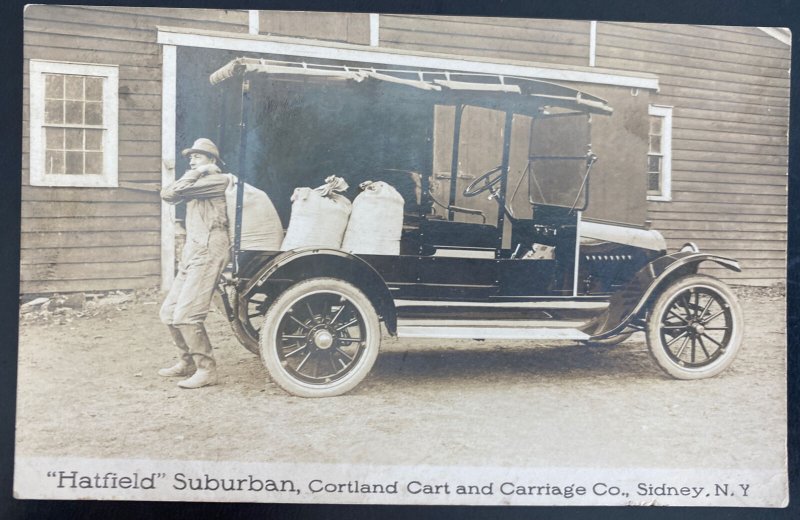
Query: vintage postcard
column 390, row 259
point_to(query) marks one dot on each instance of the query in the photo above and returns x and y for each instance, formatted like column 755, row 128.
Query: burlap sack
column 319, row 216
column 261, row 226
column 376, row 222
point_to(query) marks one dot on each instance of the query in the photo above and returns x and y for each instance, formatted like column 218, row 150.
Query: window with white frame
column 73, row 124
column 659, row 154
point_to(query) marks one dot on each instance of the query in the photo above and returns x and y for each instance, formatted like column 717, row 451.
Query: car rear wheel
column 695, row 328
column 251, row 319
column 320, row 338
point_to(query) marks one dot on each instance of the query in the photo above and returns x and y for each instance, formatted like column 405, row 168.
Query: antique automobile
column 482, row 256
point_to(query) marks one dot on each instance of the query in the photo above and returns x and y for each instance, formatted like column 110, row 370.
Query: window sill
column 75, row 181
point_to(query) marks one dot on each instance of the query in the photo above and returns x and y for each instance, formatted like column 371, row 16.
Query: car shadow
column 477, row 360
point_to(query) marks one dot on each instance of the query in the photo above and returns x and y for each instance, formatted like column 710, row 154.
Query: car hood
column 643, row 238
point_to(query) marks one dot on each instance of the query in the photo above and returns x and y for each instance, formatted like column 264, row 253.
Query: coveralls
column 204, row 257
column 207, row 246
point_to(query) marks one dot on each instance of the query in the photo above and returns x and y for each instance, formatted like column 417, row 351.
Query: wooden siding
column 341, row 27
column 80, row 239
column 729, row 87
column 564, row 42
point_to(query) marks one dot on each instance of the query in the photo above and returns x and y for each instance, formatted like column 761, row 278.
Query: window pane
column 73, row 86
column 74, row 139
column 54, row 162
column 54, row 138
column 94, row 89
column 53, row 86
column 74, row 163
column 94, row 163
column 72, row 130
column 653, row 163
column 655, row 124
column 54, row 112
column 94, row 139
column 655, row 144
column 74, row 112
column 654, row 182
column 94, row 113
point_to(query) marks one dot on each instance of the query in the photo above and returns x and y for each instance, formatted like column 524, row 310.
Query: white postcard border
column 60, row 478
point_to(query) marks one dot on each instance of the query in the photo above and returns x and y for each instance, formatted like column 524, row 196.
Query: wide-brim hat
column 205, row 146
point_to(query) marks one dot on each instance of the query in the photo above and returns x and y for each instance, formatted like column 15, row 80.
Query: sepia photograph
column 373, row 258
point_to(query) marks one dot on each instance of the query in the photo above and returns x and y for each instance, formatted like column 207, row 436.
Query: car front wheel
column 320, row 338
column 695, row 327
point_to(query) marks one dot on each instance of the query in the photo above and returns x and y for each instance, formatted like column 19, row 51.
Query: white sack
column 376, row 222
column 261, row 226
column 319, row 217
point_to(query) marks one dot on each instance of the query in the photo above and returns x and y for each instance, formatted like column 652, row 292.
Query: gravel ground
column 88, row 388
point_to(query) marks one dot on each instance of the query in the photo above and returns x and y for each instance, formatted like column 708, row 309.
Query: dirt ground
column 88, row 388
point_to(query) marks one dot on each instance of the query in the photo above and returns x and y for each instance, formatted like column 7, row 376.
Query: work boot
column 200, row 351
column 185, row 365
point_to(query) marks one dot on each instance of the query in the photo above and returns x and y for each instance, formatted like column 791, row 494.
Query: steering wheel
column 488, row 179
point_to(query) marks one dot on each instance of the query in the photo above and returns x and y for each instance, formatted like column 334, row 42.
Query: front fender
column 301, row 264
column 626, row 304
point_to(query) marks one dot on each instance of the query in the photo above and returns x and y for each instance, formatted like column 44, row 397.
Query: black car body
column 537, row 269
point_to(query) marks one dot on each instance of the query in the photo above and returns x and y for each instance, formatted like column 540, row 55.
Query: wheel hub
column 698, row 328
column 323, row 339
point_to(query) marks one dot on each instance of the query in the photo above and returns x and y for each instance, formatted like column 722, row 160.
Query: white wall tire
column 320, row 338
column 695, row 327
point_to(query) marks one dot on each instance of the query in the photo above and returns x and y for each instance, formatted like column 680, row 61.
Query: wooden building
column 106, row 110
column 85, row 238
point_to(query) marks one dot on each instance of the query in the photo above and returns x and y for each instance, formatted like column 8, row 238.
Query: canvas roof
column 520, row 95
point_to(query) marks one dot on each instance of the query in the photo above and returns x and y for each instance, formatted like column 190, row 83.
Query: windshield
column 558, row 157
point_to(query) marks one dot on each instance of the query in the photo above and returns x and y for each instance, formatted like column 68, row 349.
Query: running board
column 473, row 332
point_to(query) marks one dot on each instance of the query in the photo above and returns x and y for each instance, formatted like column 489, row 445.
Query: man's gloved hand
column 210, row 168
column 200, row 171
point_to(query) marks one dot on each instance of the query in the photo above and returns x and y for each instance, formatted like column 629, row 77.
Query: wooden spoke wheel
column 320, row 338
column 695, row 328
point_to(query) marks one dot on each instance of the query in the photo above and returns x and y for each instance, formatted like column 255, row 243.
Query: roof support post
column 501, row 197
column 237, row 236
column 426, row 174
column 454, row 163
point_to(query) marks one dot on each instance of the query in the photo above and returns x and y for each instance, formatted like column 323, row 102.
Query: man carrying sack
column 204, row 257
